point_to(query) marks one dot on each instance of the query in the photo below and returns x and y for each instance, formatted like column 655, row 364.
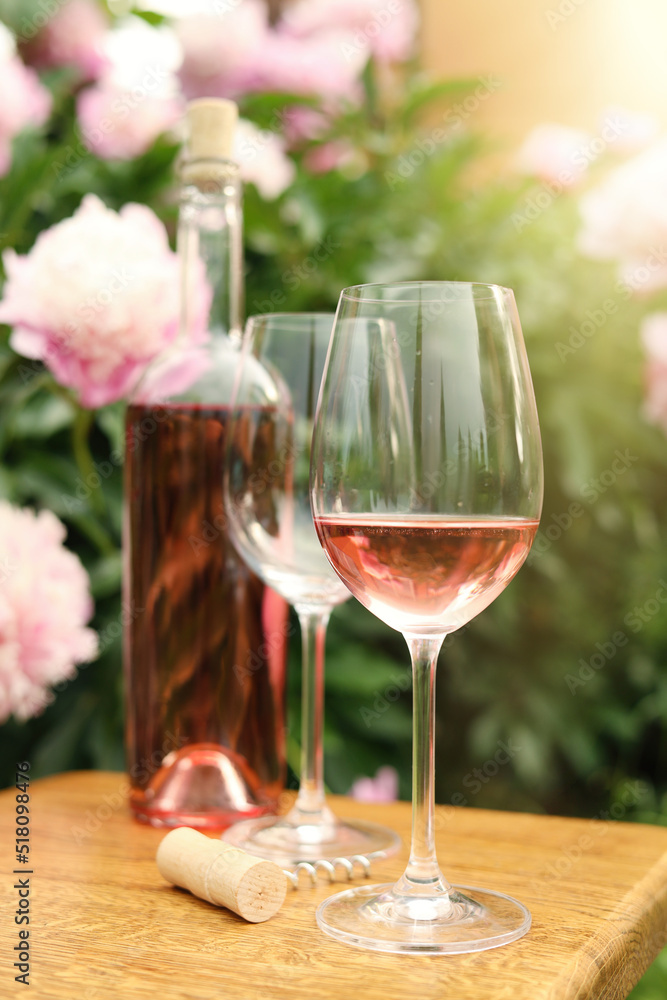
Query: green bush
column 514, row 672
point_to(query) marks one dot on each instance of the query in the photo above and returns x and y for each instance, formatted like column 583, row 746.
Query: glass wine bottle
column 205, row 642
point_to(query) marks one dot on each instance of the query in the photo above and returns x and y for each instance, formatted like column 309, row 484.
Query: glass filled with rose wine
column 426, row 491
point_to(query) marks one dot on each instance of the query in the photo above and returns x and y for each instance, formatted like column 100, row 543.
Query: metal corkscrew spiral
column 317, row 869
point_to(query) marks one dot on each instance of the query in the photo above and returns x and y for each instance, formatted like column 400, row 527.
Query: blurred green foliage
column 522, row 671
column 396, row 211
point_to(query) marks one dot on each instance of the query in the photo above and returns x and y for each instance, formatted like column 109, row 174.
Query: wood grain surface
column 104, row 925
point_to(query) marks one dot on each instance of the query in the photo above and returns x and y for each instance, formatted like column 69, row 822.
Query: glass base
column 465, row 919
column 288, row 845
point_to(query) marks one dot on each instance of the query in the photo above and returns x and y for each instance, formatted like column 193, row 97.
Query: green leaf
column 42, row 417
column 105, row 575
column 430, row 93
column 111, row 419
column 150, row 17
column 54, row 751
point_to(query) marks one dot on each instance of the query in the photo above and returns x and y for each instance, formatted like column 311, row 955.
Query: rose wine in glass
column 426, row 490
column 419, row 572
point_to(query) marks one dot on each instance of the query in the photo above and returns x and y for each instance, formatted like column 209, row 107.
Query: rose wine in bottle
column 205, row 642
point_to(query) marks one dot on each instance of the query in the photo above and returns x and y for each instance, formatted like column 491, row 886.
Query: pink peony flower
column 262, row 160
column 328, row 156
column 23, row 100
column 45, row 603
column 326, row 65
column 221, row 52
column 653, row 335
column 626, row 218
column 119, row 124
column 301, row 123
column 382, row 788
column 97, row 298
column 236, row 53
column 556, row 154
column 387, row 28
column 72, row 36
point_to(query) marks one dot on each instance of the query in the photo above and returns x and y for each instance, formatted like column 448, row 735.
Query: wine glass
column 426, row 490
column 267, row 502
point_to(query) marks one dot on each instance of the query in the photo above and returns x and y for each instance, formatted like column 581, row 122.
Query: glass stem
column 422, row 873
column 310, row 806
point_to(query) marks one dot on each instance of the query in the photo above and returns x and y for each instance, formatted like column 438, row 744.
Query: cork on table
column 105, row 924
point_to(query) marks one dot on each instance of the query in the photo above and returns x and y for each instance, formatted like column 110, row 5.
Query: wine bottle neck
column 210, row 236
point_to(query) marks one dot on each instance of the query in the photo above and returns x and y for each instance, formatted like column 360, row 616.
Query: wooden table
column 105, row 926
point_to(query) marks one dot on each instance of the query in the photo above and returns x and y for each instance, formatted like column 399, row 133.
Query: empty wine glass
column 268, row 509
column 426, row 479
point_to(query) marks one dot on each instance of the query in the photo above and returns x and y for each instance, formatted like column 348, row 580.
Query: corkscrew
column 323, row 867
